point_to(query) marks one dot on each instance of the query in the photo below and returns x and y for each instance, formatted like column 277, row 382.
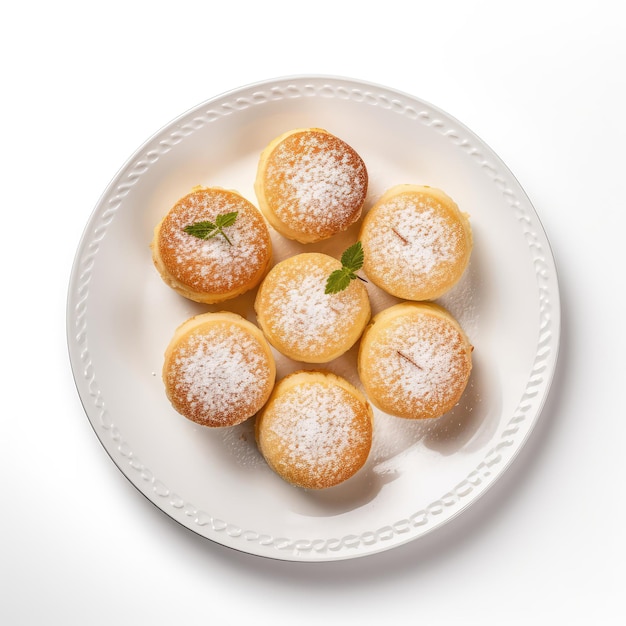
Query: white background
column 543, row 83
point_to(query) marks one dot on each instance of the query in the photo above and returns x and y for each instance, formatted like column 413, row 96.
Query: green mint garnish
column 207, row 230
column 351, row 262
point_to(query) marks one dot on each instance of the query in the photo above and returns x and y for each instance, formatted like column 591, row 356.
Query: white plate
column 420, row 474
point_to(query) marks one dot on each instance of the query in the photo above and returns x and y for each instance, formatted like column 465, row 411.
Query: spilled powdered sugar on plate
column 394, row 438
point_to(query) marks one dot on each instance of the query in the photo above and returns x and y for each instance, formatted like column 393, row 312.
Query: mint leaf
column 353, row 257
column 205, row 229
column 351, row 261
column 202, row 230
column 226, row 219
column 337, row 281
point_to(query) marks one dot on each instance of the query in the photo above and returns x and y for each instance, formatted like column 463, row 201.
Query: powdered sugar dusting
column 319, row 430
column 413, row 240
column 219, row 372
column 316, row 183
column 301, row 314
column 212, row 265
column 418, row 360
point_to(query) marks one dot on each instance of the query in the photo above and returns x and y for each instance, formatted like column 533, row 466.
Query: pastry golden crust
column 316, row 429
column 416, row 242
column 302, row 321
column 212, row 270
column 310, row 184
column 218, row 370
column 414, row 360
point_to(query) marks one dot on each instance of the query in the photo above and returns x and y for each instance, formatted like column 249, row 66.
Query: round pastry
column 310, row 184
column 316, row 429
column 302, row 321
column 414, row 360
column 212, row 246
column 416, row 242
column 219, row 369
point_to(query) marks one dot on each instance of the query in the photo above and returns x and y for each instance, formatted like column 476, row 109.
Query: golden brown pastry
column 416, row 242
column 219, row 369
column 316, row 429
column 302, row 321
column 222, row 266
column 310, row 184
column 414, row 360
